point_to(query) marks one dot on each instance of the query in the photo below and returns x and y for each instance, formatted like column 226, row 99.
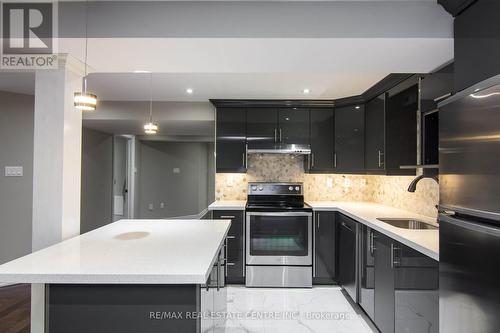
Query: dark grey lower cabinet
column 367, row 272
column 324, row 247
column 384, row 283
column 235, row 240
column 347, row 246
column 416, row 293
column 399, row 287
column 122, row 308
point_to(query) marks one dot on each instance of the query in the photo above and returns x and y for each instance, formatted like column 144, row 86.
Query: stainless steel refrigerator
column 469, row 164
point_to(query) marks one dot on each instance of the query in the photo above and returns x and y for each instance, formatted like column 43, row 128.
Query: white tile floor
column 304, row 308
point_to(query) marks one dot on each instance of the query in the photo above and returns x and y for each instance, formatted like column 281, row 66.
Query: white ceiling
column 257, row 68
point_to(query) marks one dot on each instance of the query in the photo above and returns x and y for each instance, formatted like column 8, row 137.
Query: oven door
column 279, row 238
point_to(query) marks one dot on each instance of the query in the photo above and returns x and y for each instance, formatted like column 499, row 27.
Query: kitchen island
column 128, row 276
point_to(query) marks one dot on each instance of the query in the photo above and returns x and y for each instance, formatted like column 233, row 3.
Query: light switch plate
column 13, row 171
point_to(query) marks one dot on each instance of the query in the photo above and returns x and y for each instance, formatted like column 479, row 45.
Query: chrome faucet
column 413, row 184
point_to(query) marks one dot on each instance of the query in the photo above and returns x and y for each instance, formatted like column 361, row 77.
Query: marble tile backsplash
column 387, row 190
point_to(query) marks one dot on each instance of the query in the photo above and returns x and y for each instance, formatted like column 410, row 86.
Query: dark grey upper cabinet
column 477, row 43
column 293, row 127
column 322, row 140
column 231, row 140
column 416, row 291
column 401, row 131
column 349, row 138
column 375, row 134
column 324, row 246
column 262, row 126
column 384, row 283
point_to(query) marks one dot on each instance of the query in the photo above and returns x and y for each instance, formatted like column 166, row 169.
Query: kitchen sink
column 408, row 223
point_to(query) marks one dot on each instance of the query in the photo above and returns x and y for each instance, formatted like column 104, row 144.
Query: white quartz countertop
column 228, row 205
column 424, row 241
column 127, row 252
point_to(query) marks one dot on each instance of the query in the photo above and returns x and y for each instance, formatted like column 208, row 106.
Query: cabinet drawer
column 236, row 217
column 235, row 266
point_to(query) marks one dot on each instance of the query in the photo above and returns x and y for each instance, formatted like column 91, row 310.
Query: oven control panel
column 275, row 188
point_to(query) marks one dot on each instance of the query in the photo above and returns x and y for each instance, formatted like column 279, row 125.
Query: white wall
column 16, row 149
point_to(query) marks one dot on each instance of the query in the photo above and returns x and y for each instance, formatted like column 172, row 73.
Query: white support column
column 57, row 156
column 56, row 166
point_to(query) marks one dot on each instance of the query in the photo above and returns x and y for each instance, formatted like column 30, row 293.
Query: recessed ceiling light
column 306, row 91
column 141, row 71
column 189, row 91
column 357, row 107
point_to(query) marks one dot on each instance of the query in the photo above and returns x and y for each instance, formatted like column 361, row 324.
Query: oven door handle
column 279, row 213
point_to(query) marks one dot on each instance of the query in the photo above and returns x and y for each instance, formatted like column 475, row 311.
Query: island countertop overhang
column 127, row 252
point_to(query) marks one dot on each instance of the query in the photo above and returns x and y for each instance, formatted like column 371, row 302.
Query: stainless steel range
column 278, row 236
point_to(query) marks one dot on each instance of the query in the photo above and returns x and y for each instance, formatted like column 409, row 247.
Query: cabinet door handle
column 334, row 160
column 225, row 256
column 280, row 135
column 230, row 263
column 346, row 226
column 392, row 255
column 230, row 237
column 380, row 159
column 312, row 160
column 275, row 135
column 218, row 273
column 227, row 217
column 372, row 248
column 246, row 155
column 314, row 248
column 394, row 261
column 319, row 222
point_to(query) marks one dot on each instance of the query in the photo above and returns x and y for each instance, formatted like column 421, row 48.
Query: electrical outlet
column 230, row 181
column 177, row 170
column 347, row 182
column 151, row 206
column 13, row 171
column 329, row 182
column 162, row 205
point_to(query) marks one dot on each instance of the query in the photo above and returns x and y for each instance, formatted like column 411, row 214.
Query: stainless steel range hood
column 295, row 149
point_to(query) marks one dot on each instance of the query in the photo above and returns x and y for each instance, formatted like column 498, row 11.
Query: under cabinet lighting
column 306, row 91
column 189, row 91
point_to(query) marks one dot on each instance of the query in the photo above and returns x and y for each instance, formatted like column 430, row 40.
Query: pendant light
column 151, row 128
column 85, row 100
